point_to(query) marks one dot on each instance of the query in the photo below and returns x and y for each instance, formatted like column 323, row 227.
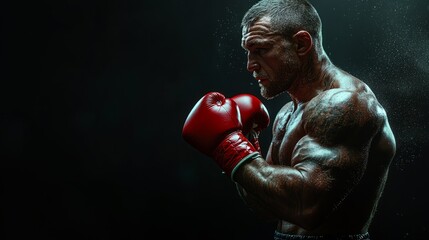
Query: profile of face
column 270, row 58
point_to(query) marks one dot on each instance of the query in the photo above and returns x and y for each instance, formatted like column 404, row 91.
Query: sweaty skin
column 332, row 145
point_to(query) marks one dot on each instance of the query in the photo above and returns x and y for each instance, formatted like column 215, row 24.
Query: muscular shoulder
column 343, row 116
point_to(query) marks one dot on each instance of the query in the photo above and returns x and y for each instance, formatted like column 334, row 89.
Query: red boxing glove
column 254, row 116
column 214, row 128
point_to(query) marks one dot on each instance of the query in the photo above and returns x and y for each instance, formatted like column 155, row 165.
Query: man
column 332, row 145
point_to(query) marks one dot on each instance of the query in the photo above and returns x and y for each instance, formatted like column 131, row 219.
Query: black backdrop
column 94, row 95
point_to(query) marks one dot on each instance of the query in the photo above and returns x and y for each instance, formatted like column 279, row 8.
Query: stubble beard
column 270, row 92
column 281, row 83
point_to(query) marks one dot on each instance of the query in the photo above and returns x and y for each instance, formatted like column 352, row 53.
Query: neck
column 316, row 77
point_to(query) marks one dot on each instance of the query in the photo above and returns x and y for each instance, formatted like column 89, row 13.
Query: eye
column 261, row 50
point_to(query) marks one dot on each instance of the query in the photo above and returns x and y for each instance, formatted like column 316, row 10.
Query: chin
column 267, row 94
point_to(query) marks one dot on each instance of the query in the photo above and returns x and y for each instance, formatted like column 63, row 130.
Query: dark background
column 94, row 95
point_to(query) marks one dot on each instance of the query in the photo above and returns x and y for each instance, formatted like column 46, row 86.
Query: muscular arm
column 251, row 200
column 326, row 163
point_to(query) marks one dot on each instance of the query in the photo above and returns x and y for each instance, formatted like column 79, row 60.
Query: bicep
column 329, row 173
column 340, row 125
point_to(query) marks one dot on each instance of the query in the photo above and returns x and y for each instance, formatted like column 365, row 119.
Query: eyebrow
column 253, row 42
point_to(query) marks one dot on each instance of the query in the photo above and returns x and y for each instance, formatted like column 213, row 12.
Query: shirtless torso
column 342, row 134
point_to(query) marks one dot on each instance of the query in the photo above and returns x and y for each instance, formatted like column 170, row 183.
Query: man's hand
column 214, row 128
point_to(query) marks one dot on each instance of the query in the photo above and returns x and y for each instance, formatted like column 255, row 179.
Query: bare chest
column 287, row 132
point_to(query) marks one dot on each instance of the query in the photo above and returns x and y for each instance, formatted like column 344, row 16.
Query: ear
column 304, row 42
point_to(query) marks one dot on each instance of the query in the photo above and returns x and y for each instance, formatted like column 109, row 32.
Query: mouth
column 261, row 80
column 261, row 77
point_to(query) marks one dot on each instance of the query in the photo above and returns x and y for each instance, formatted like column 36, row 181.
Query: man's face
column 270, row 58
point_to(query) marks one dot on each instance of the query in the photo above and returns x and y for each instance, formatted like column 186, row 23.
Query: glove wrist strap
column 233, row 151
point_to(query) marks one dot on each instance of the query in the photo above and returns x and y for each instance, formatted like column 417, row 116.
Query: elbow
column 306, row 217
column 312, row 218
column 311, row 222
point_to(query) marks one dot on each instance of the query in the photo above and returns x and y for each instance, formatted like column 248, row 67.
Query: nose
column 252, row 65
